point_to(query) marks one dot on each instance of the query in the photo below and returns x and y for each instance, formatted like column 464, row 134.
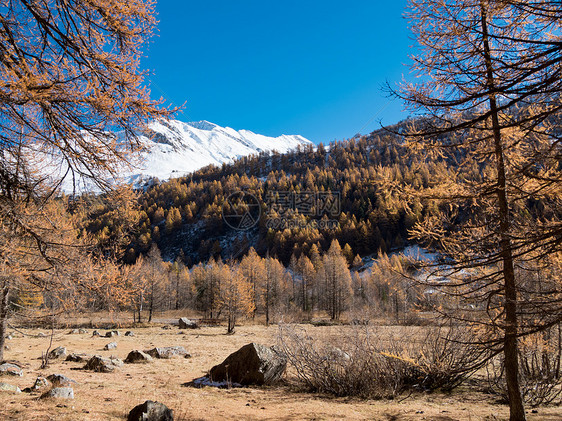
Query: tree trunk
column 151, row 304
column 231, row 323
column 267, row 302
column 516, row 409
column 3, row 319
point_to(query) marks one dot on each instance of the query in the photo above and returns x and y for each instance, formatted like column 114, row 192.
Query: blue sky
column 314, row 68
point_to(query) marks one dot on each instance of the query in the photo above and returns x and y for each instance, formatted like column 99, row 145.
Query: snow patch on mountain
column 175, row 149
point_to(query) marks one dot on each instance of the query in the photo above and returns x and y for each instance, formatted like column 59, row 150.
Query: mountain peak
column 202, row 125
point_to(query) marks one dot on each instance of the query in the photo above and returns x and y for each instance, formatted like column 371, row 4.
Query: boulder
column 136, row 356
column 112, row 333
column 168, row 352
column 129, row 333
column 103, row 365
column 9, row 337
column 60, row 380
column 78, row 358
column 111, row 345
column 151, row 411
column 74, row 332
column 82, row 331
column 95, row 333
column 58, row 352
column 6, row 387
column 253, row 364
column 10, row 370
column 59, row 393
column 185, row 323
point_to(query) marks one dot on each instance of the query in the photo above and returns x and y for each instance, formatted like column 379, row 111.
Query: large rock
column 58, row 352
column 10, row 370
column 151, row 411
column 60, row 380
column 6, row 387
column 137, row 356
column 103, row 365
column 112, row 333
column 253, row 364
column 168, row 352
column 129, row 333
column 185, row 323
column 59, row 393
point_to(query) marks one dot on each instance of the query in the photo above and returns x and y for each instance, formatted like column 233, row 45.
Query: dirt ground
column 111, row 396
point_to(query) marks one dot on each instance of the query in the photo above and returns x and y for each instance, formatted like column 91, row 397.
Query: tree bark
column 4, row 293
column 516, row 408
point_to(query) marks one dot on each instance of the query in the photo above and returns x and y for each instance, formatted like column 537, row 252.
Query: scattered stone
column 166, row 327
column 136, row 356
column 41, row 383
column 252, row 364
column 41, row 335
column 60, row 380
column 117, row 362
column 186, row 323
column 73, row 332
column 111, row 345
column 10, row 370
column 6, row 347
column 9, row 337
column 58, row 352
column 82, row 331
column 59, row 393
column 168, row 352
column 205, row 381
column 129, row 333
column 151, row 411
column 103, row 365
column 6, row 387
column 78, row 358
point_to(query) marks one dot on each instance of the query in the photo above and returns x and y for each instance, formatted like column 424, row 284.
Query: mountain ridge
column 173, row 149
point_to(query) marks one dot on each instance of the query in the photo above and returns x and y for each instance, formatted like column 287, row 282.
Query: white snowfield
column 175, row 149
column 178, row 148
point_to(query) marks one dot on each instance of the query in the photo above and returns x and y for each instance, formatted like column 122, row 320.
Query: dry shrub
column 540, row 375
column 361, row 362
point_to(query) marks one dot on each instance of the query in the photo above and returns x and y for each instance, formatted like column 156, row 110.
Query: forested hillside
column 184, row 216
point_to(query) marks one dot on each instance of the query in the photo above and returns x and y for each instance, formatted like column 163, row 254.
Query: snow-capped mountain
column 175, row 148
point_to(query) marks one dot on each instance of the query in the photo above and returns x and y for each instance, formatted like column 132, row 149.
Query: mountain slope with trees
column 184, row 216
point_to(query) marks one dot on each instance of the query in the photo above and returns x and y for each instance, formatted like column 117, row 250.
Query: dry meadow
column 110, row 396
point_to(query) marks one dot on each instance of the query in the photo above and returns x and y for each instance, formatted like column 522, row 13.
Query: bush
column 540, row 375
column 363, row 363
